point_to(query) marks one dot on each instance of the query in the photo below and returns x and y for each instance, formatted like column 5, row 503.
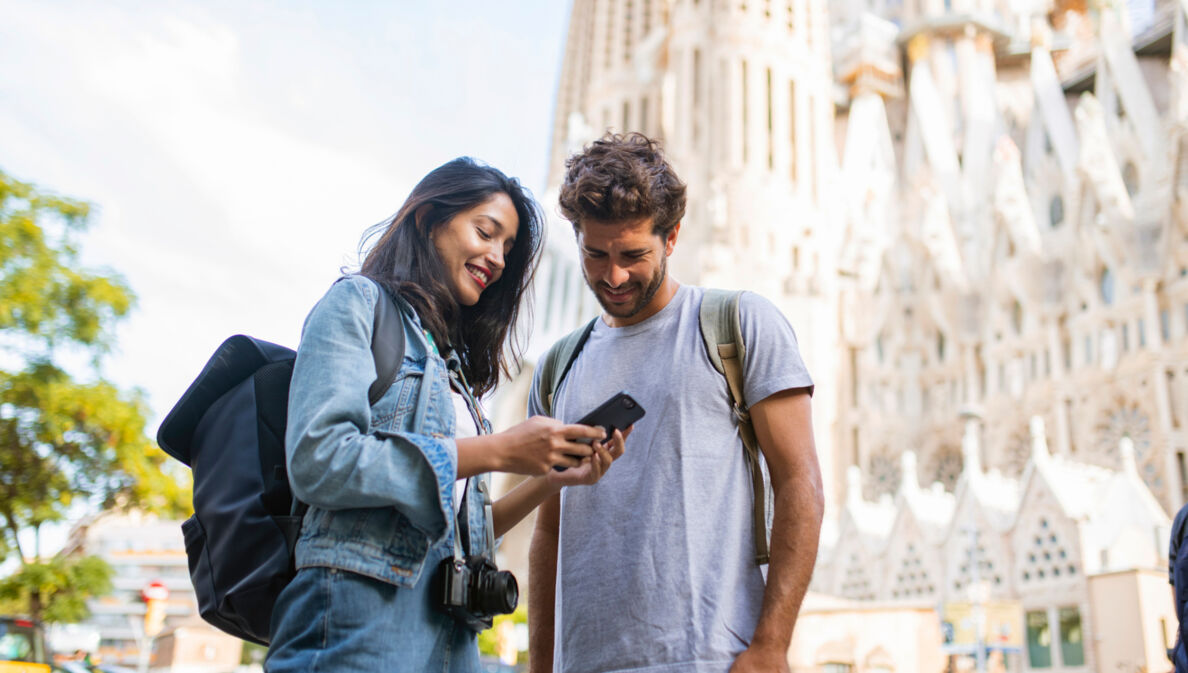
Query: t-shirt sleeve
column 773, row 362
column 534, row 405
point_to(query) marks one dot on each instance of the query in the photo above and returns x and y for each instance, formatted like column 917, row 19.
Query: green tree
column 64, row 441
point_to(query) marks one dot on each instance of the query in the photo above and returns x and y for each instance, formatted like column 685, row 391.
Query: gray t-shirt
column 655, row 563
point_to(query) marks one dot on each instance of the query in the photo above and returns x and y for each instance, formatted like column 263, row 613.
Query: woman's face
column 472, row 246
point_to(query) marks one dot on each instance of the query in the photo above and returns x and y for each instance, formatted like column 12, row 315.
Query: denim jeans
column 336, row 620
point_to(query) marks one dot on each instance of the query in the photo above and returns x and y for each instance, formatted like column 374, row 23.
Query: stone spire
column 1039, row 440
column 853, row 485
column 909, row 481
column 1126, row 451
column 971, row 447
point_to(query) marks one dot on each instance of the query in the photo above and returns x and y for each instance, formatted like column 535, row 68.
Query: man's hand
column 760, row 658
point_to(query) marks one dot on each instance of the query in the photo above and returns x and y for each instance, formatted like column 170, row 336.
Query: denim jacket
column 379, row 479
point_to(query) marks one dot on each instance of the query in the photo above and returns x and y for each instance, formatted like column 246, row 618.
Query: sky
column 234, row 152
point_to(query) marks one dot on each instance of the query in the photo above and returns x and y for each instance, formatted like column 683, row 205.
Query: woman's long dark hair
column 405, row 261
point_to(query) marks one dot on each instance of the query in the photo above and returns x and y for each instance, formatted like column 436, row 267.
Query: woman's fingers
column 577, row 431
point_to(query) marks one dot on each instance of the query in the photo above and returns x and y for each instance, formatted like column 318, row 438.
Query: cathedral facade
column 975, row 215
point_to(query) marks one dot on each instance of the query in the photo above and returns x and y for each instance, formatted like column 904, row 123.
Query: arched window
column 1130, row 178
column 1107, row 286
column 1056, row 211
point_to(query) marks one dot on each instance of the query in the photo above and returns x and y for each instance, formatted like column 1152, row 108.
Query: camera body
column 474, row 591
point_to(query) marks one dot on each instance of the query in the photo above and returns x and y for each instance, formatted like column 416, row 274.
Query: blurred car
column 22, row 646
column 82, row 667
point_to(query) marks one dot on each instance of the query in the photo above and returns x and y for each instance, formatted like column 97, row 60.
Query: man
column 653, row 568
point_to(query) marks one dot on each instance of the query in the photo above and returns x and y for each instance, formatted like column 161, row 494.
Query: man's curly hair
column 622, row 177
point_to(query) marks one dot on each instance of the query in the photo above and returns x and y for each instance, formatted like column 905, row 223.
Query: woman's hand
column 592, row 468
column 534, row 446
column 513, row 507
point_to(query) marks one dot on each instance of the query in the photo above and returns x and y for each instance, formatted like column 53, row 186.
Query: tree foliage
column 65, row 440
column 56, row 590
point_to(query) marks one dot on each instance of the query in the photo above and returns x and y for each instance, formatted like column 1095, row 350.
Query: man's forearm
column 796, row 527
column 542, row 579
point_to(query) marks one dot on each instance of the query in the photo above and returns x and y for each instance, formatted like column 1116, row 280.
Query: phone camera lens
column 628, row 403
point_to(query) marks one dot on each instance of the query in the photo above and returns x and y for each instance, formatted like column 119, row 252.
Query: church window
column 1182, row 167
column 746, row 111
column 696, row 94
column 1142, row 333
column 1017, row 317
column 626, row 116
column 792, row 121
column 1039, row 639
column 1088, row 349
column 1072, row 649
column 940, row 346
column 770, row 122
column 1056, row 211
column 1130, row 178
column 1165, row 325
column 1106, row 282
column 627, row 17
column 610, row 22
column 1125, row 337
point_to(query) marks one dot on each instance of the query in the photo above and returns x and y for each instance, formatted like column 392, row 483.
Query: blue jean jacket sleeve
column 333, row 462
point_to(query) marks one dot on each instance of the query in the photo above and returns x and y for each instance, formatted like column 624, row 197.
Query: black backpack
column 1178, row 561
column 229, row 428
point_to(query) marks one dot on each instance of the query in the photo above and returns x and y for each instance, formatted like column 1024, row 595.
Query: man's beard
column 645, row 297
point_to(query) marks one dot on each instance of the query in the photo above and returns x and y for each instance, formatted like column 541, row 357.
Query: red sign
column 154, row 591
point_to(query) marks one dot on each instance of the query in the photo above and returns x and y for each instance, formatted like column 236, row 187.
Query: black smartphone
column 617, row 413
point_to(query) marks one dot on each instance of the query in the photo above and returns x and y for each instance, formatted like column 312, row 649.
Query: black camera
column 474, row 591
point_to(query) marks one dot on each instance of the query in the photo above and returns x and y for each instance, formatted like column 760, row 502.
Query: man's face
column 626, row 266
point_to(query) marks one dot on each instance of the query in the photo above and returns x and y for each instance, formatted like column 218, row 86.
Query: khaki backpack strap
column 721, row 329
column 555, row 364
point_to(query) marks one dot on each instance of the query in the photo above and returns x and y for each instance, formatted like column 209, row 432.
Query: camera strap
column 459, row 384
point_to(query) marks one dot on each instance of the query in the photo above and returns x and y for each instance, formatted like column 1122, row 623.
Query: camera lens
column 498, row 593
column 628, row 403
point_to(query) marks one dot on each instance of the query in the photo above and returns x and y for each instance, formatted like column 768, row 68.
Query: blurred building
column 973, row 213
column 143, row 549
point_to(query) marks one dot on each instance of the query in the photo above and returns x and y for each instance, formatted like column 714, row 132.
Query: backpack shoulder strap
column 387, row 344
column 721, row 330
column 556, row 361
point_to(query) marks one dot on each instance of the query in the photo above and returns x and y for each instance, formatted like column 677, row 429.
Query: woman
column 381, row 479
